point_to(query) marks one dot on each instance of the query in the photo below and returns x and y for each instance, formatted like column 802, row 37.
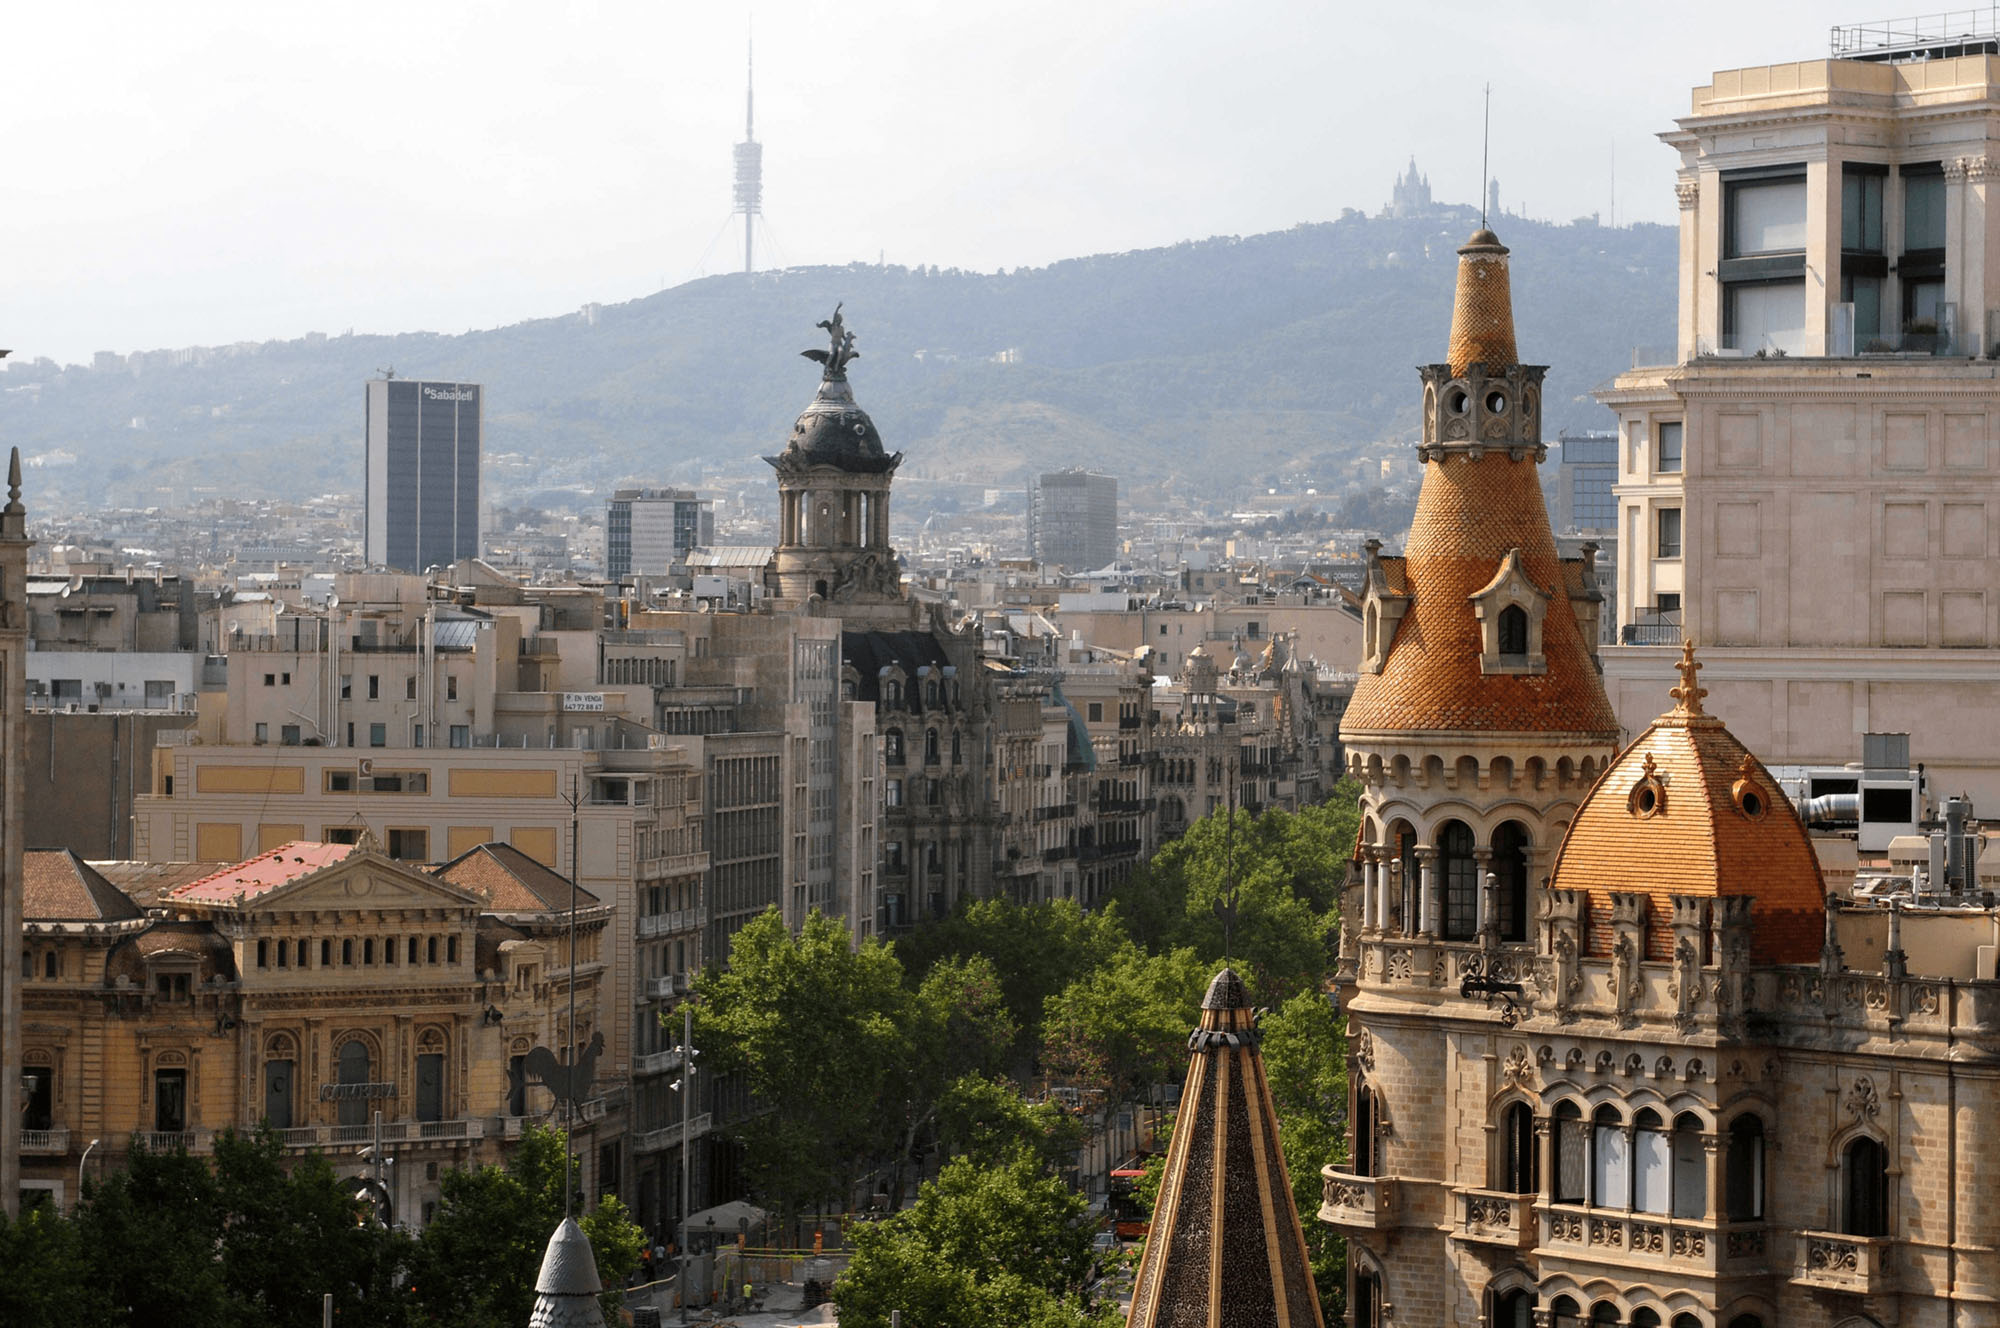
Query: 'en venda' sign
column 583, row 700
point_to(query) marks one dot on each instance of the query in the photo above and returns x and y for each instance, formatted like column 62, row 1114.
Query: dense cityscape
column 1518, row 863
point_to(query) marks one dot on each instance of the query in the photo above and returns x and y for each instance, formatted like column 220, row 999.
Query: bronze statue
column 836, row 359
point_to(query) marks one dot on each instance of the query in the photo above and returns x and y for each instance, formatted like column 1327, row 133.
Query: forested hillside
column 1201, row 364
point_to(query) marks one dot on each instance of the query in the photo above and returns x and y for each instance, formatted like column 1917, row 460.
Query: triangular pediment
column 370, row 881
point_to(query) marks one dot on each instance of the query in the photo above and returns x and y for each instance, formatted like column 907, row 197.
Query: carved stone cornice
column 1977, row 170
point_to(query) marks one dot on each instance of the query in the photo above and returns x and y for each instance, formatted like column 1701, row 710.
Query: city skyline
column 148, row 230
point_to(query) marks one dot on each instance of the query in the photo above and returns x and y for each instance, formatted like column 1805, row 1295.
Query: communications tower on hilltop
column 749, row 166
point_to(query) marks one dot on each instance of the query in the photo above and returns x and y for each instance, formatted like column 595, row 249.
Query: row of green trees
column 251, row 1238
column 865, row 1056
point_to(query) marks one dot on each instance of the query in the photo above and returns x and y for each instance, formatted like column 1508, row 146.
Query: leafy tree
column 50, row 1279
column 1305, row 1060
column 1037, row 950
column 821, row 1029
column 990, row 1123
column 476, row 1263
column 983, row 1247
column 151, row 1233
column 291, row 1237
column 1124, row 1025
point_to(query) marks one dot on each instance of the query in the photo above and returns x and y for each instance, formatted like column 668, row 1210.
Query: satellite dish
column 332, row 600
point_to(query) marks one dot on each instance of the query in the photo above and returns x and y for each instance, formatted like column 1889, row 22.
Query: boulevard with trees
column 875, row 1065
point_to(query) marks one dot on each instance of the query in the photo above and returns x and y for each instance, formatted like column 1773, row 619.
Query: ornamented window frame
column 1511, row 588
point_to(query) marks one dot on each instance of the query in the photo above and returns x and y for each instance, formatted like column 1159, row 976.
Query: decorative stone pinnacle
column 14, row 483
column 1689, row 693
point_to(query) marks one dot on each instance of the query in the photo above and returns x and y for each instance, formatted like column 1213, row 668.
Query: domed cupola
column 1687, row 810
column 833, row 492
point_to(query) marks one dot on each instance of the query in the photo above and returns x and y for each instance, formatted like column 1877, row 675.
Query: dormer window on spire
column 1511, row 610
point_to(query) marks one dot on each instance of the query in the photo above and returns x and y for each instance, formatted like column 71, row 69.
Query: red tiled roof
column 1469, row 514
column 261, row 874
column 1701, row 842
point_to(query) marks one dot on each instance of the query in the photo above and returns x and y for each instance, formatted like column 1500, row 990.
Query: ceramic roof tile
column 1703, row 838
column 512, row 882
column 61, row 887
column 260, row 875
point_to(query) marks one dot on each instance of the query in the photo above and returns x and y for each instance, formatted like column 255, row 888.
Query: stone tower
column 833, row 494
column 1479, row 718
column 14, row 544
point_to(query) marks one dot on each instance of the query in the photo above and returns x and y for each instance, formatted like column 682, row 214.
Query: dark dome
column 213, row 956
column 833, row 431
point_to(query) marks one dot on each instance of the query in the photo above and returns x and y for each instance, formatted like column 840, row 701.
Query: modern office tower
column 1810, row 490
column 647, row 531
column 1073, row 519
column 422, row 482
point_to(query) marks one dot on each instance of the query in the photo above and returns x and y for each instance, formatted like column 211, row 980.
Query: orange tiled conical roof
column 1226, row 1246
column 1482, row 313
column 1687, row 810
column 1481, row 500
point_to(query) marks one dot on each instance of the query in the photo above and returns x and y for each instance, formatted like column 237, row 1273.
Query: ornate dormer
column 1510, row 609
column 833, row 492
column 1383, row 604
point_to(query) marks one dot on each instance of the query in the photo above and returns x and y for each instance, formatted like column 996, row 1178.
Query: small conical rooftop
column 1482, row 312
column 567, row 1290
column 1225, row 1231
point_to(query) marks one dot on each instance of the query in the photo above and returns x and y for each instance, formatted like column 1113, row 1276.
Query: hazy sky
column 201, row 173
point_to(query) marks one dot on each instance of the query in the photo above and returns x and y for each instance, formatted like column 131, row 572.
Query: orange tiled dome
column 1687, row 810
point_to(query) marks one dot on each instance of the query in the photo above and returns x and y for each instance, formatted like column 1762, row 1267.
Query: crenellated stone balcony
column 1363, row 1203
column 1860, row 1265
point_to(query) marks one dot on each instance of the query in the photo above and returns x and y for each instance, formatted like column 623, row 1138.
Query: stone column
column 1390, row 882
column 1823, row 185
column 1713, row 1144
column 1484, row 902
column 1428, row 892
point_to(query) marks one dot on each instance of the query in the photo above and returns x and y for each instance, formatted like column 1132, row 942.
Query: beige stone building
column 1616, row 1058
column 1811, row 489
column 308, row 988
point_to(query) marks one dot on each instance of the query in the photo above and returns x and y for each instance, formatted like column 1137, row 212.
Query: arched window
column 1604, row 1312
column 1517, row 1150
column 892, row 694
column 354, row 1069
column 1652, row 1154
column 1365, row 1129
column 892, row 747
column 957, row 752
column 1743, row 1178
column 1510, row 872
column 1865, row 1165
column 1366, row 1309
column 1645, row 1317
column 1461, row 881
column 1610, row 1160
column 1514, row 1309
column 1689, row 1321
column 1690, row 1168
column 931, row 692
column 1513, row 630
column 1570, row 1174
column 930, row 746
column 1563, row 1313
column 1746, row 1321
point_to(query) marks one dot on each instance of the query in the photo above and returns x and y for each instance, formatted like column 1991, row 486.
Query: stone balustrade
column 1828, row 1261
column 1364, row 1202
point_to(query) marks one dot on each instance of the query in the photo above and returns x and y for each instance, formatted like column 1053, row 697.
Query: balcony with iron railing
column 1652, row 626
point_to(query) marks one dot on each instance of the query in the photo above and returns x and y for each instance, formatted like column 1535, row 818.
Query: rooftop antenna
column 1225, row 906
column 749, row 163
column 1485, row 139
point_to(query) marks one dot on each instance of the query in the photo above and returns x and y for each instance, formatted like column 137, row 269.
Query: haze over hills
column 1209, row 365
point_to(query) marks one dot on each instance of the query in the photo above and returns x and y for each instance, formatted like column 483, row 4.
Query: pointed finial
column 14, row 482
column 1689, row 693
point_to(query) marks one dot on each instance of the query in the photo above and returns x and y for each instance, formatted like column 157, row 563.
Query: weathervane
column 842, row 351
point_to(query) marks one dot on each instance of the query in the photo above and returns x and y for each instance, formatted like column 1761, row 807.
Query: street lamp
column 79, row 1170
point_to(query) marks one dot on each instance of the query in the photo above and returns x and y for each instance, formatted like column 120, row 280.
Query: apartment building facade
column 1812, row 489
